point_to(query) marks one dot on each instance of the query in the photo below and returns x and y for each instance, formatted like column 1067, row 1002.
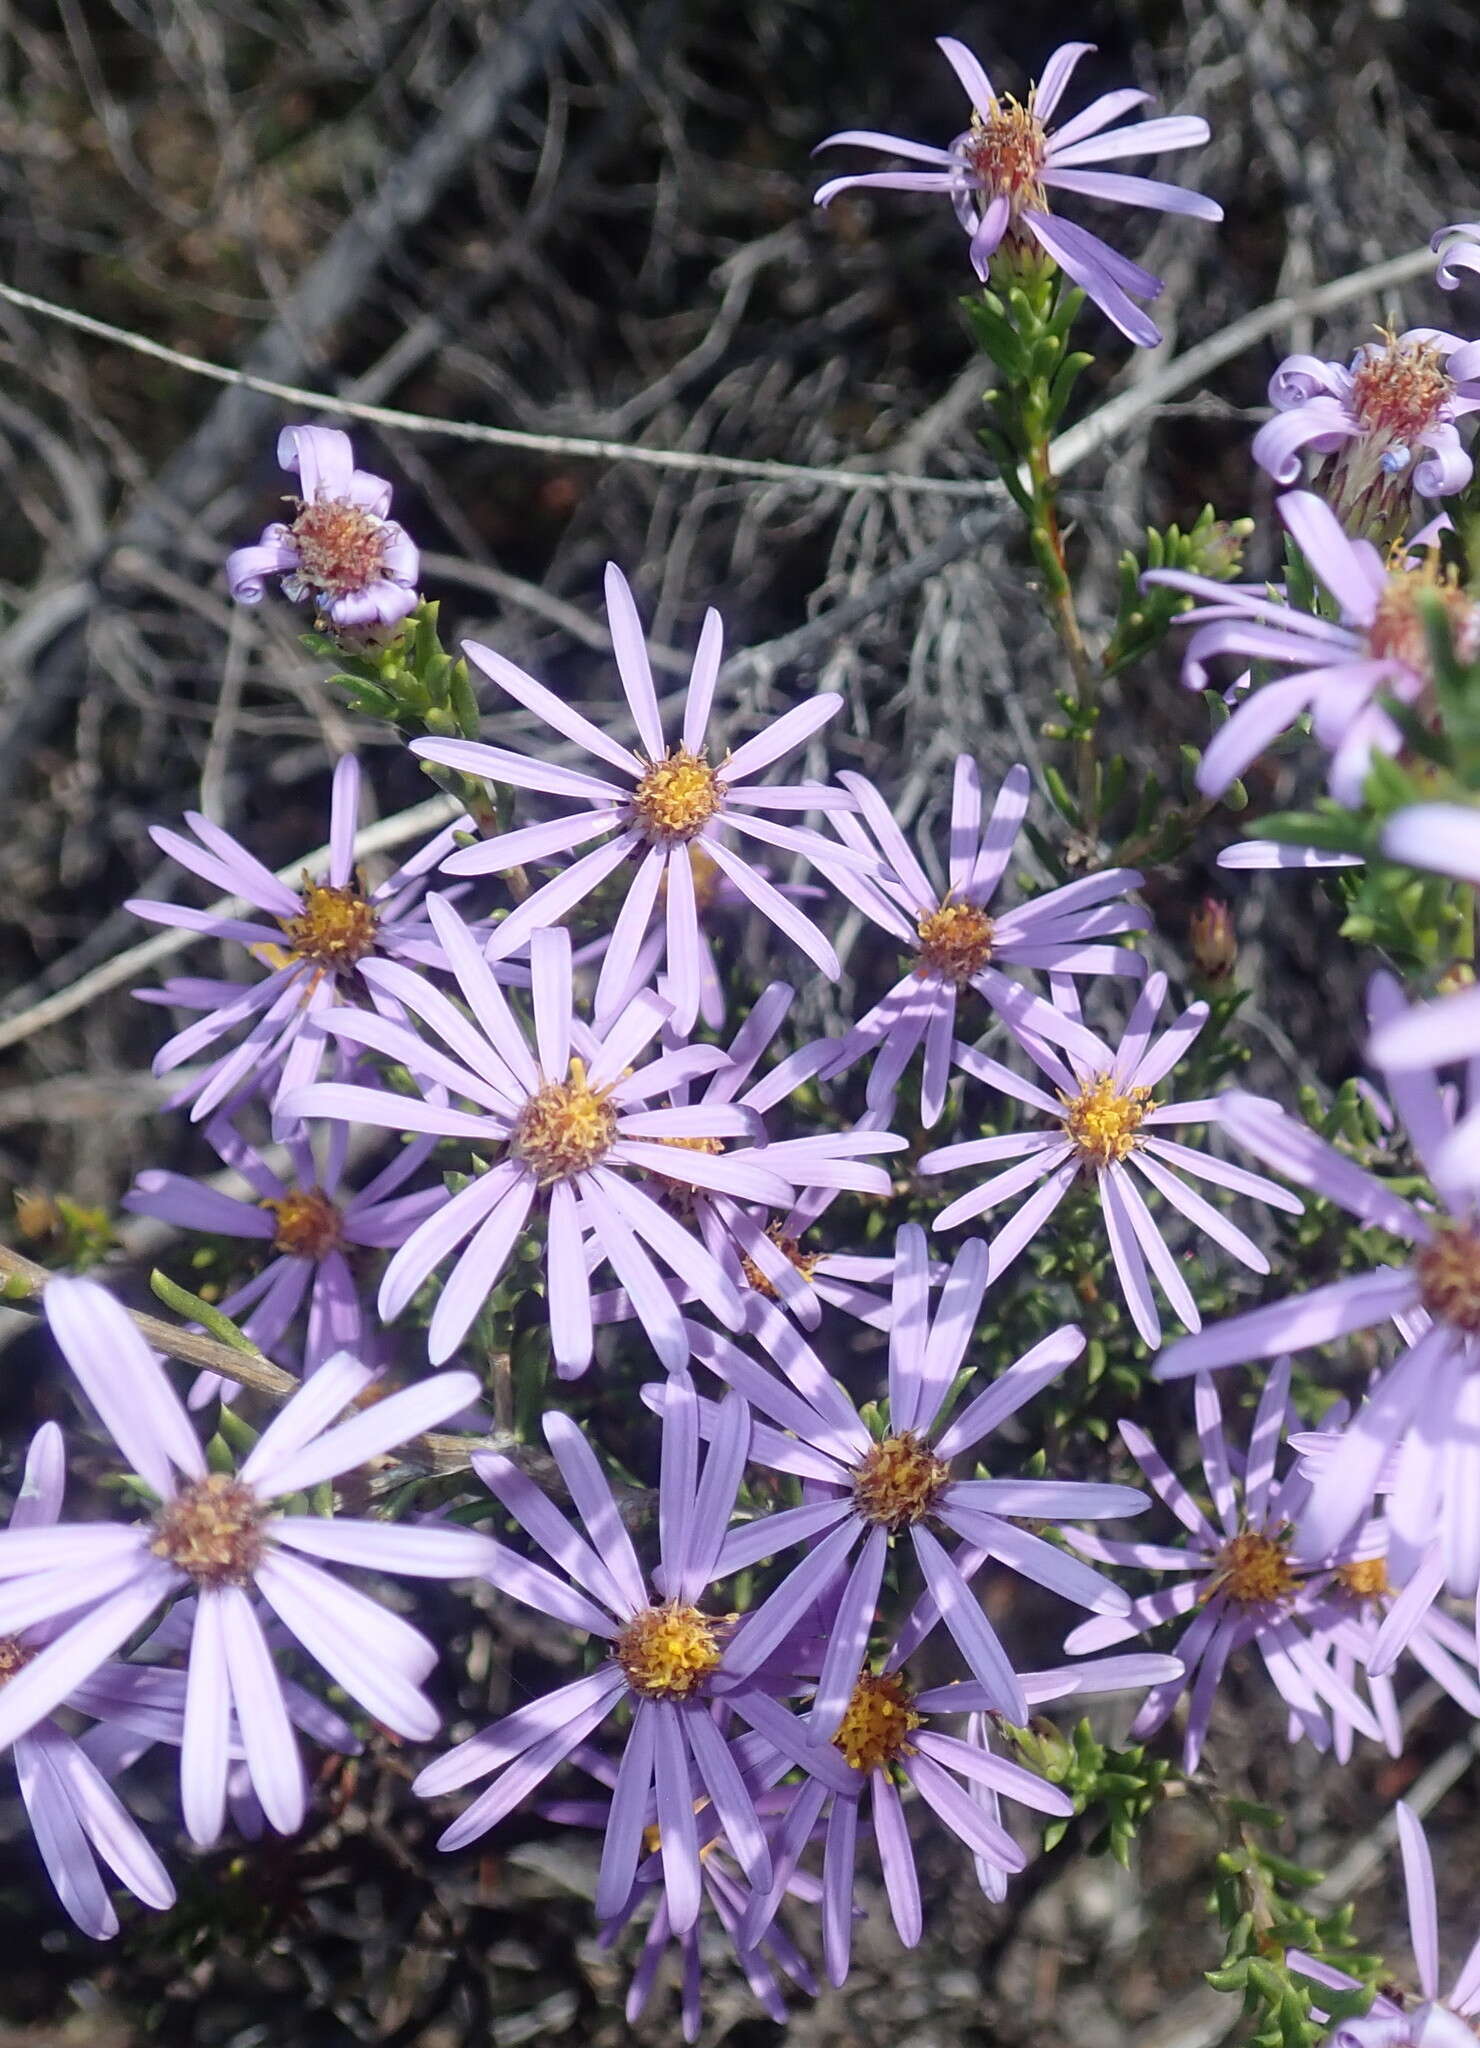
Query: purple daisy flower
column 574, row 1130
column 220, row 1535
column 666, row 1657
column 320, row 937
column 888, row 1746
column 341, row 550
column 1387, row 420
column 1240, row 1578
column 1457, row 256
column 863, row 1491
column 957, row 944
column 678, row 800
column 1000, row 172
column 1426, row 1406
column 1106, row 1121
column 1378, row 645
column 309, row 1223
column 77, row 1818
column 1436, row 2022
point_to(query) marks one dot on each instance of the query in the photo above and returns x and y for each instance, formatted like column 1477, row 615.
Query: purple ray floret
column 222, row 1537
column 340, row 550
column 1000, row 173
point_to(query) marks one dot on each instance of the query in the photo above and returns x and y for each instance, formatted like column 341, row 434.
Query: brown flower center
column 1448, row 1271
column 955, row 942
column 677, row 796
column 565, row 1128
column 1254, row 1569
column 1365, row 1578
column 1103, row 1120
column 14, row 1656
column 309, row 1225
column 212, row 1529
column 897, row 1481
column 1399, row 630
column 1399, row 387
column 1008, row 153
column 790, row 1249
column 335, row 928
column 877, row 1723
column 340, row 546
column 667, row 1652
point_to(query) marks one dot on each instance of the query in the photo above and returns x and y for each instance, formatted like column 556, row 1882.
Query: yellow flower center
column 897, row 1480
column 14, row 1656
column 677, row 796
column 565, row 1128
column 955, row 942
column 1254, row 1569
column 1365, row 1578
column 1399, row 632
column 1103, row 1120
column 707, row 876
column 1448, row 1273
column 340, row 546
column 1399, row 387
column 335, row 928
column 877, row 1723
column 667, row 1652
column 1008, row 153
column 212, row 1529
column 790, row 1249
column 308, row 1223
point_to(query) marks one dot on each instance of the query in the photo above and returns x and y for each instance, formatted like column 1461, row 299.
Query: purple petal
column 125, row 1383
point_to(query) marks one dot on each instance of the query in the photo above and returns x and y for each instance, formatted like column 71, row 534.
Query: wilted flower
column 677, row 801
column 1386, row 421
column 958, row 944
column 1107, row 1120
column 999, row 173
column 341, row 550
column 220, row 1535
column 1378, row 646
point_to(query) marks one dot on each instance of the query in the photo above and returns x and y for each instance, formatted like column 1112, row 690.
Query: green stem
column 1048, row 546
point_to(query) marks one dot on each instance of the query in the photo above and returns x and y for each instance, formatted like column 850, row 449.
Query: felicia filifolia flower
column 957, row 943
column 865, row 1491
column 1386, row 421
column 572, row 1130
column 1242, row 1585
column 1425, row 1405
column 999, row 174
column 340, row 550
column 1106, row 1121
column 221, row 1536
column 667, row 801
column 319, row 937
column 1434, row 2022
column 1458, row 255
column 1342, row 667
column 667, row 1656
column 308, row 1223
column 76, row 1816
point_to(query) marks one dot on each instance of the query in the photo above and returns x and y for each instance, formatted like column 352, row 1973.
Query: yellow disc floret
column 335, row 928
column 897, row 1480
column 1365, row 1578
column 1103, row 1119
column 1399, row 629
column 14, row 1656
column 955, row 942
column 309, row 1225
column 1448, row 1271
column 677, row 797
column 878, row 1722
column 790, row 1250
column 212, row 1529
column 667, row 1652
column 1255, row 1570
column 565, row 1128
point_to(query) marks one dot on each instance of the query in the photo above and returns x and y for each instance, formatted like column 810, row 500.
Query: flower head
column 223, row 1538
column 1341, row 667
column 321, row 937
column 958, row 942
column 339, row 549
column 1001, row 171
column 1385, row 422
column 667, row 803
column 1106, row 1127
column 1243, row 1584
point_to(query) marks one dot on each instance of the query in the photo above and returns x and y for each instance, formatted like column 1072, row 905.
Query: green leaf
column 189, row 1305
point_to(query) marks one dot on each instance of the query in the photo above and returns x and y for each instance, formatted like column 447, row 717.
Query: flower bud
column 1214, row 944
